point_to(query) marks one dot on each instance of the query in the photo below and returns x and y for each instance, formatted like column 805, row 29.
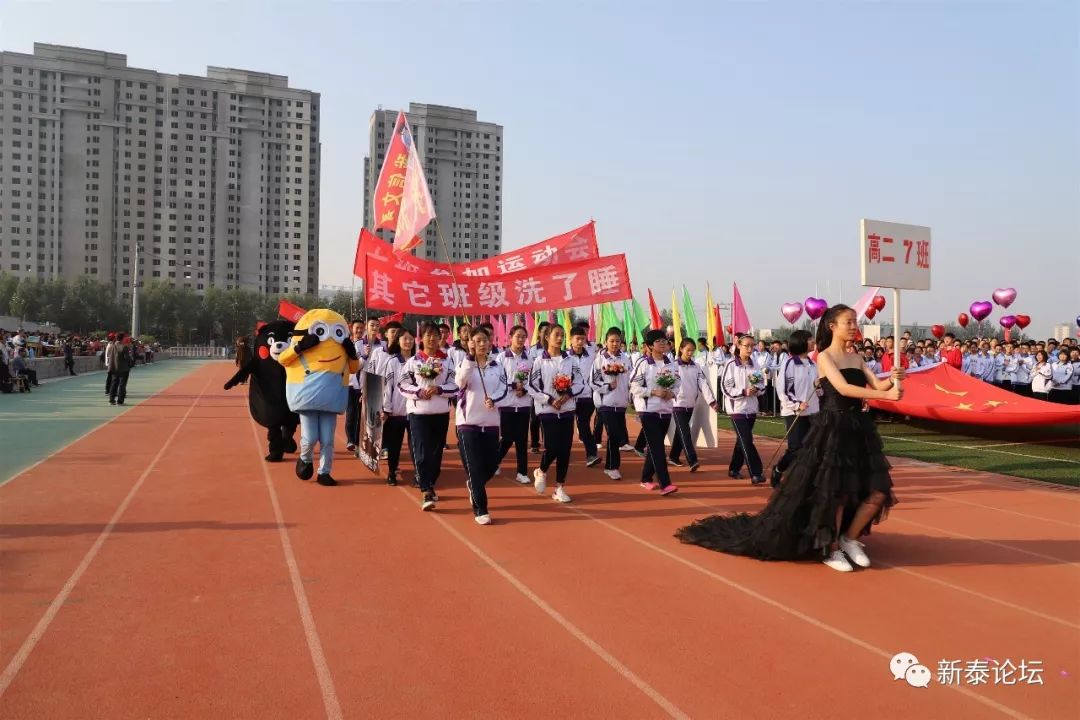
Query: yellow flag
column 710, row 319
column 675, row 321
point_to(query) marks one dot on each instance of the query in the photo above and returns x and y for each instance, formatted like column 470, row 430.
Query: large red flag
column 391, row 182
column 289, row 311
column 402, row 201
column 654, row 314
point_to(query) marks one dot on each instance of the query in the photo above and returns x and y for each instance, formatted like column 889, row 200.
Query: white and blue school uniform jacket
column 1024, row 366
column 692, row 382
column 719, row 357
column 795, row 385
column 475, row 385
column 457, row 353
column 536, row 351
column 1061, row 375
column 965, row 363
column 874, row 365
column 1041, row 378
column 989, row 369
column 760, row 358
column 364, row 349
column 410, row 383
column 393, row 398
column 1076, row 373
column 999, row 367
column 773, row 363
column 510, row 364
column 584, row 363
column 734, row 381
column 542, row 383
column 603, row 395
column 1009, row 369
column 643, row 383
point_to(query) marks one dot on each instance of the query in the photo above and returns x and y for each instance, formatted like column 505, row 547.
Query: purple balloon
column 980, row 310
column 791, row 311
column 815, row 307
column 1004, row 296
column 1007, row 321
column 1078, row 321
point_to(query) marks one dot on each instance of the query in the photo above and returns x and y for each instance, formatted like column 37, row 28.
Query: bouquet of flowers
column 756, row 378
column 613, row 368
column 665, row 379
column 521, row 374
column 430, row 370
column 562, row 384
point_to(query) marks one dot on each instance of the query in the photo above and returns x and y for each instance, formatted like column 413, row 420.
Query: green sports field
column 1048, row 453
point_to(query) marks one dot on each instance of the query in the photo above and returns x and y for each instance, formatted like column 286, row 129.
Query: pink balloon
column 980, row 310
column 1007, row 322
column 1004, row 296
column 815, row 307
column 791, row 311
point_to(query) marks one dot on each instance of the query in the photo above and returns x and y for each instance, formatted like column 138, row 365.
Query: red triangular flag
column 654, row 314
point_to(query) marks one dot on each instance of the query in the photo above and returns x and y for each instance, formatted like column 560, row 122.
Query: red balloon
column 962, row 319
column 1022, row 321
column 939, row 331
column 870, row 313
column 878, row 303
column 730, row 331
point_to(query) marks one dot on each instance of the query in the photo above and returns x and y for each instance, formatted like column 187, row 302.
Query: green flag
column 630, row 328
column 689, row 316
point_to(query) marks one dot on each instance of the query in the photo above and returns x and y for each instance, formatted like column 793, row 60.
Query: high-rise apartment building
column 215, row 179
column 462, row 160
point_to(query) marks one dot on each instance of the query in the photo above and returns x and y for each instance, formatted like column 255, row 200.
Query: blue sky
column 710, row 141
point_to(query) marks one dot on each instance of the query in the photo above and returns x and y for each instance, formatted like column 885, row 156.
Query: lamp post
column 135, row 296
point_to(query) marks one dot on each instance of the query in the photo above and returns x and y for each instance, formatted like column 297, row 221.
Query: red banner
column 944, row 393
column 573, row 246
column 391, row 182
column 399, row 283
column 290, row 312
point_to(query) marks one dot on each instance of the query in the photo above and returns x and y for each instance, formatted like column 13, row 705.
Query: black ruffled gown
column 841, row 462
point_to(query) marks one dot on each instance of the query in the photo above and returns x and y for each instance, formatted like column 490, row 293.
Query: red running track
column 159, row 568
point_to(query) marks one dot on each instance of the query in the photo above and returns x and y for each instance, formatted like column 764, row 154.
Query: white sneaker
column 854, row 550
column 497, row 473
column 838, row 562
column 560, row 495
column 590, row 461
column 482, row 519
column 539, row 481
column 626, row 448
column 613, row 474
column 523, row 479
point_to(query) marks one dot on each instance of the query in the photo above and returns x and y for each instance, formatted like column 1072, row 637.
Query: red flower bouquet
column 562, row 384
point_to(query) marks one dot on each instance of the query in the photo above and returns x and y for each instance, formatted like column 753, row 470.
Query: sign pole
column 896, row 330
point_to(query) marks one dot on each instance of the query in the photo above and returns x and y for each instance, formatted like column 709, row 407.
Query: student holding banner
column 394, row 415
column 481, row 383
column 515, row 409
column 427, row 383
column 555, row 385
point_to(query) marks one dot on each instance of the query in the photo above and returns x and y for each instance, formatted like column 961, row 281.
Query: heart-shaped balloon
column 938, row 330
column 962, row 318
column 815, row 307
column 1007, row 321
column 791, row 311
column 870, row 312
column 1022, row 321
column 1004, row 296
column 980, row 310
column 878, row 303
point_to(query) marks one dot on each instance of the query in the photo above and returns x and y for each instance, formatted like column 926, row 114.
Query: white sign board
column 895, row 256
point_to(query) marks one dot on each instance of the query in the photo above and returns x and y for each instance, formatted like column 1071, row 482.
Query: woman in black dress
column 839, row 483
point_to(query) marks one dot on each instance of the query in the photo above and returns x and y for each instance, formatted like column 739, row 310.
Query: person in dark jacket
column 120, row 363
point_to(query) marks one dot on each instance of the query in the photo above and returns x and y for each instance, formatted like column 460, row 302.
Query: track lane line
column 307, row 619
column 666, row 705
column 20, row 657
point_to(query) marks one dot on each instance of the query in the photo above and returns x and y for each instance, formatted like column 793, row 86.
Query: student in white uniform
column 580, row 353
column 1041, row 377
column 693, row 383
column 654, row 384
column 1074, row 358
column 742, row 382
column 610, row 381
column 555, row 385
column 481, row 383
column 797, row 391
column 395, row 417
column 515, row 409
column 1061, row 372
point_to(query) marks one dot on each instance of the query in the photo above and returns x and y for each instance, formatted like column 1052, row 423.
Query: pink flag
column 417, row 209
column 592, row 324
column 740, row 321
column 864, row 302
column 530, row 325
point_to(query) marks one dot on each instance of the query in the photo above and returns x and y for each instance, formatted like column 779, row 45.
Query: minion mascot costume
column 317, row 369
column 266, row 393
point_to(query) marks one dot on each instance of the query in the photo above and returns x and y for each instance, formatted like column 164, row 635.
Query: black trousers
column 655, row 428
column 393, row 434
column 1023, row 389
column 352, row 417
column 69, row 364
column 108, row 382
column 598, row 428
column 640, row 442
column 118, row 391
column 479, row 454
column 534, row 430
column 1040, row 396
column 795, row 437
column 427, row 440
column 744, row 446
column 1063, row 397
column 558, row 437
column 583, row 411
column 684, row 439
column 615, row 422
column 514, row 428
column 279, row 439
